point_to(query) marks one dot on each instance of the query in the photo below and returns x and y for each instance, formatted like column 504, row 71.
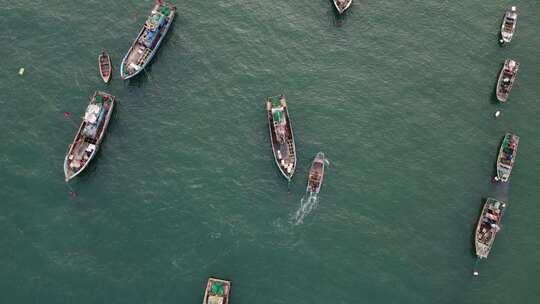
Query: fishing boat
column 342, row 5
column 507, row 157
column 508, row 26
column 506, row 79
column 105, row 67
column 217, row 291
column 488, row 226
column 316, row 174
column 90, row 134
column 281, row 135
column 148, row 41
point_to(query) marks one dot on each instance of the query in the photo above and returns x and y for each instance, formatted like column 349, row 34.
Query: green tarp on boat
column 217, row 289
column 278, row 116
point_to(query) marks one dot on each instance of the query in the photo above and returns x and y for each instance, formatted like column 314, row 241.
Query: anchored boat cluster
column 490, row 218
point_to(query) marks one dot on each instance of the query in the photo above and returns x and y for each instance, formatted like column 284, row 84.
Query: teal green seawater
column 398, row 94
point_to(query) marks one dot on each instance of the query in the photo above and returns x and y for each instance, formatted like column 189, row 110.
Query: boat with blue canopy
column 148, row 41
column 507, row 157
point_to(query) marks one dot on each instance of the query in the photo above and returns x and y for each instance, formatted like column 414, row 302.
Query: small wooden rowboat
column 105, row 67
column 342, row 5
column 316, row 174
column 217, row 291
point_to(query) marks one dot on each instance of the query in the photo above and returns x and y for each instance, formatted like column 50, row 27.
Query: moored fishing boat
column 506, row 79
column 105, row 67
column 508, row 26
column 316, row 174
column 217, row 291
column 507, row 157
column 90, row 134
column 488, row 226
column 149, row 40
column 342, row 5
column 281, row 135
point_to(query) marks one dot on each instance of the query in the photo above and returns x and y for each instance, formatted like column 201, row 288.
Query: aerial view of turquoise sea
column 399, row 95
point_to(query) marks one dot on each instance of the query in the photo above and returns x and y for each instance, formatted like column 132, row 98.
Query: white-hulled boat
column 342, row 5
column 281, row 135
column 507, row 157
column 488, row 226
column 506, row 79
column 90, row 134
column 508, row 26
column 148, row 41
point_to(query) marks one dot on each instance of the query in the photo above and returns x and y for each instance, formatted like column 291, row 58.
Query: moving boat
column 90, row 134
column 217, row 291
column 148, row 41
column 281, row 135
column 316, row 174
column 342, row 5
column 508, row 26
column 506, row 79
column 507, row 157
column 105, row 67
column 488, row 226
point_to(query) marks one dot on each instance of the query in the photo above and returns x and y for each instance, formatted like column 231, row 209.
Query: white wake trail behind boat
column 308, row 202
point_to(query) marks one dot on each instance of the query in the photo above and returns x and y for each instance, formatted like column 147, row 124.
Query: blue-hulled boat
column 148, row 41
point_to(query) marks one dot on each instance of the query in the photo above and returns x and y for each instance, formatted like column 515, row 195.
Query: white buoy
column 498, row 113
column 21, row 71
column 475, row 273
column 501, row 41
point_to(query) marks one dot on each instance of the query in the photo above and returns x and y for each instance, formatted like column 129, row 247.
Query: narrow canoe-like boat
column 316, row 174
column 508, row 26
column 148, row 41
column 90, row 134
column 506, row 79
column 488, row 226
column 281, row 135
column 105, row 67
column 217, row 291
column 342, row 5
column 507, row 157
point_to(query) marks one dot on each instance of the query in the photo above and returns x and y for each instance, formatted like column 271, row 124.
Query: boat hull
column 226, row 290
column 316, row 174
column 124, row 74
column 70, row 174
column 488, row 226
column 508, row 26
column 501, row 91
column 282, row 152
column 105, row 67
column 342, row 5
column 504, row 167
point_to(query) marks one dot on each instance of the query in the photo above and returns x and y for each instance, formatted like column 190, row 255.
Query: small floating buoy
column 21, row 71
column 501, row 41
column 475, row 273
column 498, row 113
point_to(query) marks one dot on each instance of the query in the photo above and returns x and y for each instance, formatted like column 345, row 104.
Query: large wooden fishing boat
column 342, row 5
column 148, row 41
column 316, row 174
column 90, row 134
column 506, row 79
column 507, row 157
column 508, row 26
column 488, row 226
column 105, row 67
column 281, row 135
column 217, row 291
